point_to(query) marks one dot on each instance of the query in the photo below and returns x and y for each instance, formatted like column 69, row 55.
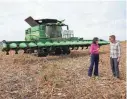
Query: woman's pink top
column 94, row 49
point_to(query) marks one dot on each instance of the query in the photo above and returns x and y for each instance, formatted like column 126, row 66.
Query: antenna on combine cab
column 59, row 22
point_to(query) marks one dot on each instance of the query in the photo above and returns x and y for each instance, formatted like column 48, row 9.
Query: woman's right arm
column 91, row 48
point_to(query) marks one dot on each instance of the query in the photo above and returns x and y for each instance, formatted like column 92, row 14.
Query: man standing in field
column 114, row 55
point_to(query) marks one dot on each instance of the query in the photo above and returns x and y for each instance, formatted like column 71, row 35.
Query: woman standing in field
column 94, row 53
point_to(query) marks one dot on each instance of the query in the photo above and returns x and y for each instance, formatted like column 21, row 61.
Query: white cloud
column 87, row 19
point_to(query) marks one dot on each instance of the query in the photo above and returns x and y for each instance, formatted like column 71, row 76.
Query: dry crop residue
column 25, row 76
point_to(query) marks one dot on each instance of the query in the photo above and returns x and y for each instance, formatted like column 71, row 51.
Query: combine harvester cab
column 47, row 36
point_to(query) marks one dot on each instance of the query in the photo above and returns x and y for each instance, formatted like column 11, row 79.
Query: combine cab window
column 53, row 31
column 67, row 34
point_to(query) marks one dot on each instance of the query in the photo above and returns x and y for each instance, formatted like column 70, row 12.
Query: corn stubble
column 26, row 76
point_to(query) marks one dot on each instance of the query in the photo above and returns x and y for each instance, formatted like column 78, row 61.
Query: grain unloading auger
column 47, row 36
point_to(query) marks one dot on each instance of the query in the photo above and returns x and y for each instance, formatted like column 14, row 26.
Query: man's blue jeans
column 94, row 64
column 115, row 67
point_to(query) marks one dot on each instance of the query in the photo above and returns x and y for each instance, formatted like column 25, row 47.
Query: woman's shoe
column 96, row 77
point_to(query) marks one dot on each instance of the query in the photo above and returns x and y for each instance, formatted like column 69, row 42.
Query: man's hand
column 118, row 59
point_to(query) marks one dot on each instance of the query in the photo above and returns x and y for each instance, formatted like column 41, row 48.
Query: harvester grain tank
column 47, row 36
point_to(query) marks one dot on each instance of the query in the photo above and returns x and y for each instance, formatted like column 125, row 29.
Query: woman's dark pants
column 94, row 64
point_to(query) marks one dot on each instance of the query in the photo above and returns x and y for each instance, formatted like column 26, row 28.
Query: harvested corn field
column 26, row 76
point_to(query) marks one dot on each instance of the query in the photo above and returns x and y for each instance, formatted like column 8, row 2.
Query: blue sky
column 87, row 18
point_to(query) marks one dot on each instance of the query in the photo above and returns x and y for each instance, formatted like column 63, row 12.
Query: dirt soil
column 26, row 76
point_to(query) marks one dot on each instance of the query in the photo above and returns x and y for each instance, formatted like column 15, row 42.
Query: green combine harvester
column 46, row 36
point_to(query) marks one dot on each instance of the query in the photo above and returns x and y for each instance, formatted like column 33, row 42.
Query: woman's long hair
column 95, row 39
